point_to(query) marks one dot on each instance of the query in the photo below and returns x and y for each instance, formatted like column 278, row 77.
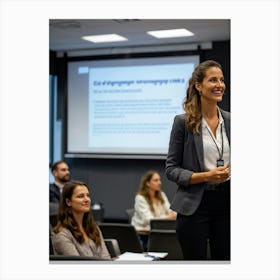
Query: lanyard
column 222, row 152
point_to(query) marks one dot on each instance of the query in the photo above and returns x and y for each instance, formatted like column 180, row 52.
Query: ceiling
column 65, row 34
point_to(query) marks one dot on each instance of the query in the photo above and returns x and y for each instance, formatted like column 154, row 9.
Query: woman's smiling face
column 80, row 201
column 212, row 87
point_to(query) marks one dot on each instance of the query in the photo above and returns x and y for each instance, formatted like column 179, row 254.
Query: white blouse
column 211, row 154
column 143, row 214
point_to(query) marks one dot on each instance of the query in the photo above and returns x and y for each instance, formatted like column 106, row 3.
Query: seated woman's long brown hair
column 67, row 220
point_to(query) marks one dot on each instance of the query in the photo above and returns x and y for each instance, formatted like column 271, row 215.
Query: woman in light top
column 150, row 202
column 76, row 233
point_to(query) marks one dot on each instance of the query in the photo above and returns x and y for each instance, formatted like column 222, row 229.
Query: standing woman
column 76, row 233
column 199, row 162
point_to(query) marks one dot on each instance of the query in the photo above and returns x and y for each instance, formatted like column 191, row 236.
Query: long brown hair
column 67, row 220
column 192, row 103
column 144, row 189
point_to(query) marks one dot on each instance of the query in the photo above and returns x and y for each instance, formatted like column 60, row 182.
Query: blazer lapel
column 227, row 126
column 199, row 148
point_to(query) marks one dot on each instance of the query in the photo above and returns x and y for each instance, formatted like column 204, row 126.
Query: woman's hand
column 218, row 175
column 171, row 215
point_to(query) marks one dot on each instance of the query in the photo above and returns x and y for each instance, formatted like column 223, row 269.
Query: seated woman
column 76, row 233
column 150, row 202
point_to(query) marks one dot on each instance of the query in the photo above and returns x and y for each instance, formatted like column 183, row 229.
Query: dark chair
column 98, row 215
column 51, row 252
column 53, row 208
column 125, row 234
column 163, row 224
column 53, row 211
column 129, row 213
column 208, row 253
column 113, row 247
column 53, row 220
column 165, row 241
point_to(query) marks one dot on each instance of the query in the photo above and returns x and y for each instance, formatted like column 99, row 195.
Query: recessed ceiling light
column 104, row 38
column 171, row 33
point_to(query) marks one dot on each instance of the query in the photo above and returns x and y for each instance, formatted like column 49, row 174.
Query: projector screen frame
column 112, row 155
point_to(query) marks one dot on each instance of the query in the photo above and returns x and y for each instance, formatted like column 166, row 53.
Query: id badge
column 220, row 162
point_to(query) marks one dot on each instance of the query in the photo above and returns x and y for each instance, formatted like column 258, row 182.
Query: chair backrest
column 125, row 234
column 98, row 214
column 165, row 241
column 113, row 247
column 130, row 213
column 51, row 251
column 53, row 208
column 53, row 213
column 53, row 219
column 163, row 224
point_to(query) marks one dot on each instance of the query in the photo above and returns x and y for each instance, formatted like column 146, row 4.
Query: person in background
column 198, row 161
column 61, row 174
column 150, row 202
column 76, row 233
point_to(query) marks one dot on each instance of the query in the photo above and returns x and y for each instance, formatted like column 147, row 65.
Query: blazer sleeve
column 175, row 158
column 63, row 244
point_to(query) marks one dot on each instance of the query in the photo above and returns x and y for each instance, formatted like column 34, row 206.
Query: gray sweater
column 64, row 243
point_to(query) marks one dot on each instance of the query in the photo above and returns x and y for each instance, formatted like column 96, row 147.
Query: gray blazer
column 185, row 156
column 64, row 243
